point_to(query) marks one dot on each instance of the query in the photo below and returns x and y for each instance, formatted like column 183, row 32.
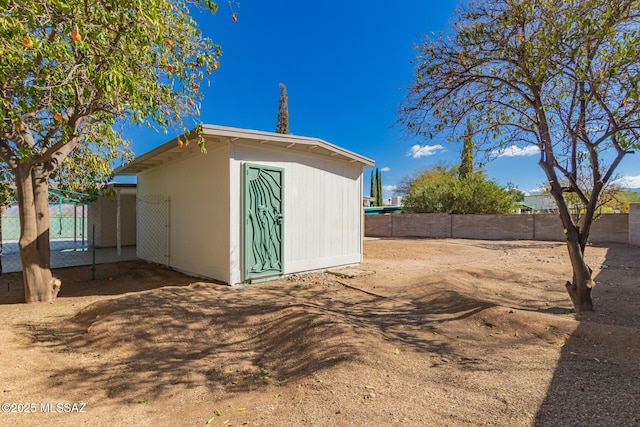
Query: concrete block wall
column 377, row 226
column 634, row 224
column 412, row 225
column 547, row 227
column 610, row 229
column 616, row 228
column 492, row 227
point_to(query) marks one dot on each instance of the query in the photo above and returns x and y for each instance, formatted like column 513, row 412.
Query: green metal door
column 263, row 221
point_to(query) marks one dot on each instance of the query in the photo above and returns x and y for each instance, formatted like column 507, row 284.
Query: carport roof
column 218, row 135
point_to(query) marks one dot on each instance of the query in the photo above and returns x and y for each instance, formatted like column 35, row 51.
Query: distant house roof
column 379, row 210
column 219, row 135
column 540, row 202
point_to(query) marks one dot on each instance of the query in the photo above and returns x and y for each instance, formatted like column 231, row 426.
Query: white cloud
column 515, row 151
column 628, row 181
column 535, row 191
column 385, row 169
column 389, row 187
column 418, row 151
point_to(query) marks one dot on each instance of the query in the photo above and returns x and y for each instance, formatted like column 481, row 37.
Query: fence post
column 118, row 236
column 167, row 250
column 93, row 266
column 82, row 234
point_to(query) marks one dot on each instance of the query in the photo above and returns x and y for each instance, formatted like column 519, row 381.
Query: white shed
column 256, row 205
column 114, row 217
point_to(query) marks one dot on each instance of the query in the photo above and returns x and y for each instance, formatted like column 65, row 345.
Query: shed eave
column 170, row 150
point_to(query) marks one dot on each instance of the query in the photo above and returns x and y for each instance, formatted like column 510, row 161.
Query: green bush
column 439, row 190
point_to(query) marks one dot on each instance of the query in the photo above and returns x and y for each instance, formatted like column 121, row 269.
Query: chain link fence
column 80, row 234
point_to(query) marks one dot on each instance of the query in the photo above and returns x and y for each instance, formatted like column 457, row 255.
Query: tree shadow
column 103, row 279
column 228, row 339
column 596, row 381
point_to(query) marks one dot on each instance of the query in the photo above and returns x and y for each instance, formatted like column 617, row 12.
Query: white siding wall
column 103, row 213
column 322, row 214
column 198, row 189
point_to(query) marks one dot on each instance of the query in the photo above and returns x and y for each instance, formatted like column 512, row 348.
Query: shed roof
column 218, row 135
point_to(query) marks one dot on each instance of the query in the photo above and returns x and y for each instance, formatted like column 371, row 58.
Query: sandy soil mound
column 445, row 332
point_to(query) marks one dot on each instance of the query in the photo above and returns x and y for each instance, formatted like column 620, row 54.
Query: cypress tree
column 379, row 188
column 283, row 111
column 466, row 164
column 374, row 190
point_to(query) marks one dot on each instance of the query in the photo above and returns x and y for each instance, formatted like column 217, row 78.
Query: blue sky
column 346, row 65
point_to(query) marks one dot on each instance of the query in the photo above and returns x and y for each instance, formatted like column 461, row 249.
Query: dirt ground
column 445, row 333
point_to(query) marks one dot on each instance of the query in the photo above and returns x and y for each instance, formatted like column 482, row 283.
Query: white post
column 83, row 225
column 168, row 242
column 75, row 226
column 118, row 237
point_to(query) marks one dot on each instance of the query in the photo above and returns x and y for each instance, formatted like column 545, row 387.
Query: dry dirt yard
column 445, row 333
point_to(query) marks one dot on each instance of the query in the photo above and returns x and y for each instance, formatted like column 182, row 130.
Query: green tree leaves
column 376, row 187
column 282, row 125
column 69, row 71
column 440, row 190
column 89, row 62
column 558, row 75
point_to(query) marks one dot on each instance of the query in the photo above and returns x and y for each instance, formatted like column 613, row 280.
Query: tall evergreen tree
column 379, row 188
column 374, row 190
column 466, row 163
column 283, row 111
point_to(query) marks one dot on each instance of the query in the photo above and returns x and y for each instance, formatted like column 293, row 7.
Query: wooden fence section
column 609, row 228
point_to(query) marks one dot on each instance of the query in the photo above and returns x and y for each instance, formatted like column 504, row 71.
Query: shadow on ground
column 103, row 279
column 603, row 353
column 216, row 337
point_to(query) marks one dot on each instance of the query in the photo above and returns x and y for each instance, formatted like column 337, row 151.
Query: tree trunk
column 580, row 289
column 40, row 180
column 38, row 286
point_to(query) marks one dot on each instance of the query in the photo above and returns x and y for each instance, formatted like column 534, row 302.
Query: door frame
column 249, row 276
